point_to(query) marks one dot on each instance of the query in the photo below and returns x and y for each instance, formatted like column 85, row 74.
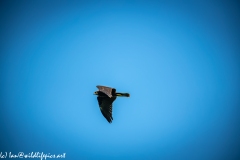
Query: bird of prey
column 106, row 96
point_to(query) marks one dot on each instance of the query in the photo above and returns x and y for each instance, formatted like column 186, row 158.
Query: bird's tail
column 123, row 94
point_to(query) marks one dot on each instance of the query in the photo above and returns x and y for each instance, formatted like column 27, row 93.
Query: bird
column 106, row 97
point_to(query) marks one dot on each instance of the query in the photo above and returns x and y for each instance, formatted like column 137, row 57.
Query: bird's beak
column 95, row 93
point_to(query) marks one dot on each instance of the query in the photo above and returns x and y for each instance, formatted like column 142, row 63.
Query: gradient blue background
column 178, row 60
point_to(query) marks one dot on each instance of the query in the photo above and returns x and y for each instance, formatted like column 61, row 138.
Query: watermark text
column 37, row 155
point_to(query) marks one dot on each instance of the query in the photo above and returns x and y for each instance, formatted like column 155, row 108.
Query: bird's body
column 106, row 96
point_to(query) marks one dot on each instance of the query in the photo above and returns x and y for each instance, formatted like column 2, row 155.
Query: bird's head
column 95, row 93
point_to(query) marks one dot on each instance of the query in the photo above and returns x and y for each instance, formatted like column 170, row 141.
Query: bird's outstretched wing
column 107, row 90
column 105, row 104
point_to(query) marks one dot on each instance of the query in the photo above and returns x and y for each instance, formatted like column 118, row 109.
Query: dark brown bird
column 106, row 96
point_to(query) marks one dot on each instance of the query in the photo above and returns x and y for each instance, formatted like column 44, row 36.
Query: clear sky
column 179, row 62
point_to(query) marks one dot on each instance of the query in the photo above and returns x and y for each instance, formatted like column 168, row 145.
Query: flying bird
column 106, row 96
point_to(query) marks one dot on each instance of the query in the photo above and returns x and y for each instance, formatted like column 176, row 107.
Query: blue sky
column 179, row 62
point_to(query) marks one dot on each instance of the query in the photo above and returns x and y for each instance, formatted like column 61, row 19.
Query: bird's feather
column 107, row 90
column 105, row 104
